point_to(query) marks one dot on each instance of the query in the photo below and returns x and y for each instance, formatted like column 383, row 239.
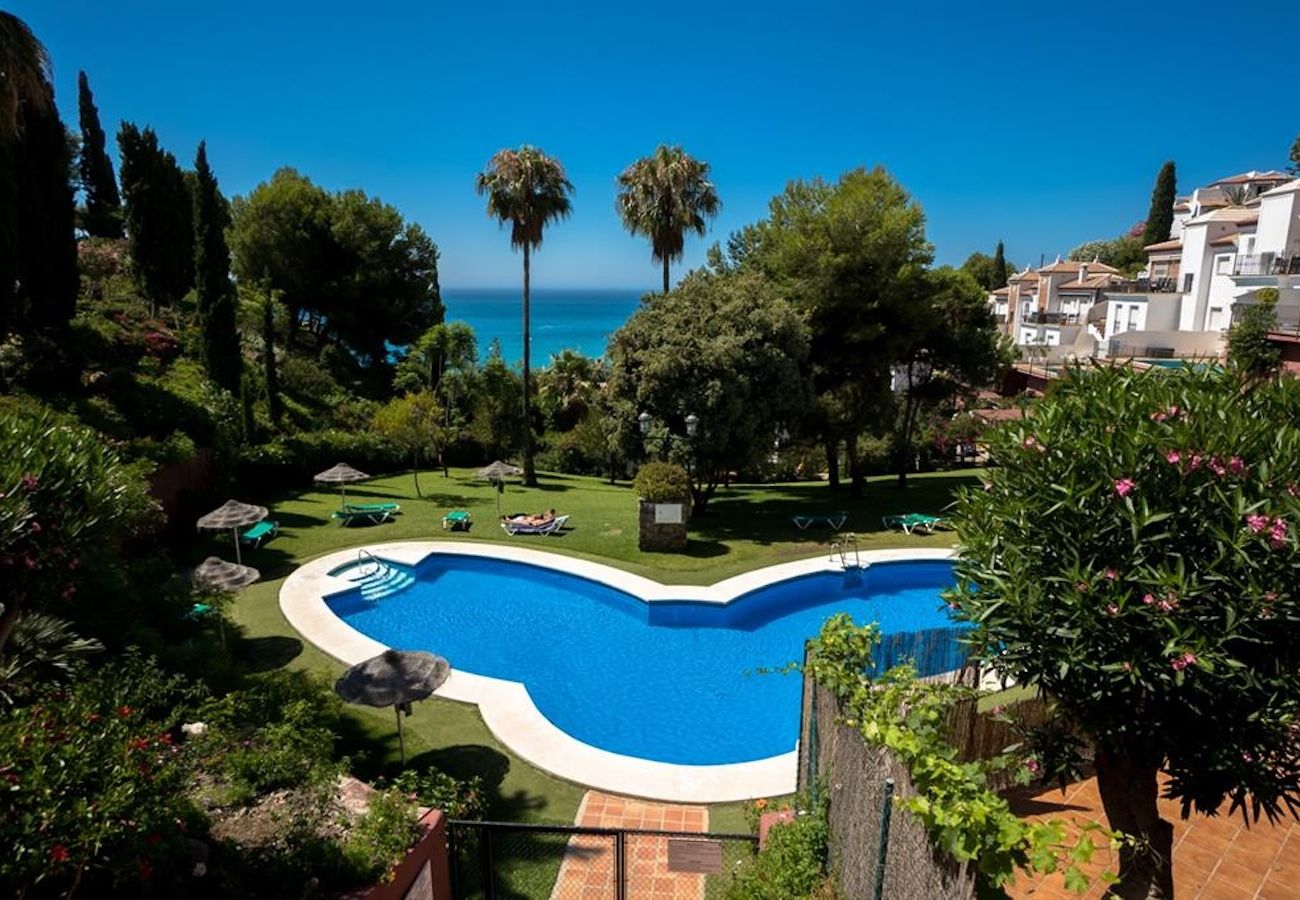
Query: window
column 1223, row 265
column 1159, row 270
column 1187, row 282
column 1118, row 311
column 1133, row 318
column 1215, row 320
column 1250, row 246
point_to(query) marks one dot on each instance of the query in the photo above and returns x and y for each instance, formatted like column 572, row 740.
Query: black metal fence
column 500, row 860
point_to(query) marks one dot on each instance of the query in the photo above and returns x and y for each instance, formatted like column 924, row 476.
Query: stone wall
column 658, row 536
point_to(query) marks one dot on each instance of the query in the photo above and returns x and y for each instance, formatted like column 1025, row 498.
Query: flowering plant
column 1141, row 569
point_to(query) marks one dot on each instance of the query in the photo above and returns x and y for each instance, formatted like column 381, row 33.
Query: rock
column 194, row 729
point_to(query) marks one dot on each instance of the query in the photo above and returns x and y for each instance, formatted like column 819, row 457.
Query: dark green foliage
column 1000, row 268
column 661, row 482
column 268, row 358
column 438, row 790
column 45, row 222
column 159, row 217
column 1124, row 253
column 1160, row 217
column 1249, row 349
column 1294, row 156
column 346, row 266
column 215, row 293
column 793, row 865
column 103, row 212
column 726, row 348
column 989, row 272
column 498, row 415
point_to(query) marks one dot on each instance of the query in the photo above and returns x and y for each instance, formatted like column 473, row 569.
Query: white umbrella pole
column 238, row 557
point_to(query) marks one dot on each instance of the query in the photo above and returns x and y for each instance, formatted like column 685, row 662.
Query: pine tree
column 268, row 356
column 46, row 240
column 999, row 275
column 159, row 217
column 214, row 292
column 1160, row 218
column 103, row 215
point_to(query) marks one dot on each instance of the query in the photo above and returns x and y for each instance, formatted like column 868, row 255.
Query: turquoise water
column 671, row 681
column 579, row 320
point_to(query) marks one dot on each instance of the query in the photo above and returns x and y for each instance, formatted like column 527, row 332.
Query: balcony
column 1143, row 286
column 1265, row 264
column 1051, row 318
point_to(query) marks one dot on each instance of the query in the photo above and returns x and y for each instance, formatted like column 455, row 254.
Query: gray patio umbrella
column 497, row 473
column 394, row 678
column 341, row 474
column 233, row 515
column 225, row 576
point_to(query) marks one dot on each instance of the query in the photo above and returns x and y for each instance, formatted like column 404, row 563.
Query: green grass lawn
column 745, row 527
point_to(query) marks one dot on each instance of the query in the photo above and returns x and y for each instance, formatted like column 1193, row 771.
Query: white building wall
column 1278, row 231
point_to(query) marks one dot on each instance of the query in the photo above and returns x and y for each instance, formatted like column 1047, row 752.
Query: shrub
column 793, row 864
column 661, row 482
column 438, row 790
column 380, row 839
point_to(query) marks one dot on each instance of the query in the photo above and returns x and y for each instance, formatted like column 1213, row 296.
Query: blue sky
column 1042, row 126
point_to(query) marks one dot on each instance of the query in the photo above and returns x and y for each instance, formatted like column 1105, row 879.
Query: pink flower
column 1033, row 443
column 1217, row 466
column 30, row 481
column 1032, row 765
column 1149, row 599
column 59, row 853
column 35, row 527
column 1128, row 667
column 1081, row 586
column 1112, row 609
column 1124, row 486
column 68, row 591
column 1236, row 466
column 1195, row 462
column 1158, row 416
column 1246, row 757
column 1169, row 604
column 1173, row 457
column 1112, row 574
column 1277, row 535
column 1257, row 523
column 1293, row 489
column 1270, row 596
column 1182, row 662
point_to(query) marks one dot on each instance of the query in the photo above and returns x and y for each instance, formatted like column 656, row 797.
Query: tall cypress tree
column 1160, row 218
column 999, row 275
column 215, row 294
column 103, row 216
column 46, row 240
column 159, row 217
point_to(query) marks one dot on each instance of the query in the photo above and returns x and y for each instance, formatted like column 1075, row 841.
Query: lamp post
column 644, row 422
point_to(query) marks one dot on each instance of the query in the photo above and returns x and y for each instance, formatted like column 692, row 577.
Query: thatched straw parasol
column 233, row 515
column 394, row 678
column 224, row 576
column 497, row 473
column 341, row 474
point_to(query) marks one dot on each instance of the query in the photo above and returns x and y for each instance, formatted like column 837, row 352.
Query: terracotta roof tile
column 1175, row 244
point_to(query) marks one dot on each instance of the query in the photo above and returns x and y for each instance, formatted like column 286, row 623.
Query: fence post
column 814, row 749
column 620, row 866
column 883, row 845
column 489, row 867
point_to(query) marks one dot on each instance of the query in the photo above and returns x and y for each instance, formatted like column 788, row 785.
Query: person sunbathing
column 540, row 519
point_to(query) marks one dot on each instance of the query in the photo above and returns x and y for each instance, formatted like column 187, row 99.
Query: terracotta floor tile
column 1225, row 890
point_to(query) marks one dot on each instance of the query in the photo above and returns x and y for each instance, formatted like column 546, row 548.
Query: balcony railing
column 1266, row 264
column 1143, row 286
column 1118, row 347
column 1052, row 318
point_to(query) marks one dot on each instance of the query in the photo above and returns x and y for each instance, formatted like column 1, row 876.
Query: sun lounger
column 913, row 522
column 515, row 526
column 374, row 513
column 835, row 521
column 457, row 520
column 260, row 533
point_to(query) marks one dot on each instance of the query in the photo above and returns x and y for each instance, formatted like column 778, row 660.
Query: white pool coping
column 506, row 706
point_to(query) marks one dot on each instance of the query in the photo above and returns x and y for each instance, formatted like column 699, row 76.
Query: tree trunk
column 905, row 439
column 666, row 282
column 833, row 463
column 415, row 473
column 1128, row 790
column 530, row 473
column 857, row 480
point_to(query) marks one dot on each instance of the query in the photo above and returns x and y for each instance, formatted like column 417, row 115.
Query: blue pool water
column 675, row 681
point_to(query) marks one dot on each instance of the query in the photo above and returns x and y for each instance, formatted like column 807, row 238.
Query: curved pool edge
column 509, row 711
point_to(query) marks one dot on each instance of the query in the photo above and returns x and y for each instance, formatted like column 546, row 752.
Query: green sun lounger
column 260, row 533
column 387, row 506
column 835, row 521
column 913, row 522
column 457, row 520
column 374, row 513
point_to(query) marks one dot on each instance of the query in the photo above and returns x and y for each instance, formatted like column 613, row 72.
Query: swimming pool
column 676, row 678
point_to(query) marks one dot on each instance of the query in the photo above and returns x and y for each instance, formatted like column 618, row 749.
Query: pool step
column 385, row 582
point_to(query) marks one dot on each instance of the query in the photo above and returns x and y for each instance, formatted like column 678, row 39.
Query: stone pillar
column 661, row 527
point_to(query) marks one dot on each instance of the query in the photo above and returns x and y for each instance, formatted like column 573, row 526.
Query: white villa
column 1229, row 239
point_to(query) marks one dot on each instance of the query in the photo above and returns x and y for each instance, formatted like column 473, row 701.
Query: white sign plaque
column 668, row 514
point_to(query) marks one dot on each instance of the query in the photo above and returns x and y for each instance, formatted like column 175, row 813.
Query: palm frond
column 527, row 189
column 26, row 74
column 663, row 196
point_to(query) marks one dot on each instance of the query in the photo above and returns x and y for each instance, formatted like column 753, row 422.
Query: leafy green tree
column 214, row 291
column 989, row 272
column 1160, row 217
column 959, row 348
column 566, row 389
column 1133, row 556
column 851, row 256
column 1249, row 349
column 446, row 346
column 348, row 267
column 529, row 190
column 663, row 196
column 66, row 502
column 413, row 424
column 159, row 217
column 103, row 213
column 725, row 348
column 1125, row 253
column 44, row 216
column 498, row 415
column 270, row 373
column 27, row 70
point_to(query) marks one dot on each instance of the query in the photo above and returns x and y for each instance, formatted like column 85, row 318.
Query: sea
column 561, row 319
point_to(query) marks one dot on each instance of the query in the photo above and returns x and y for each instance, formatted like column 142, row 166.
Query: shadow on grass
column 265, row 654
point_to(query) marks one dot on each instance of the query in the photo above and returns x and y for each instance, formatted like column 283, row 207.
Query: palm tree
column 662, row 196
column 25, row 73
column 528, row 189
